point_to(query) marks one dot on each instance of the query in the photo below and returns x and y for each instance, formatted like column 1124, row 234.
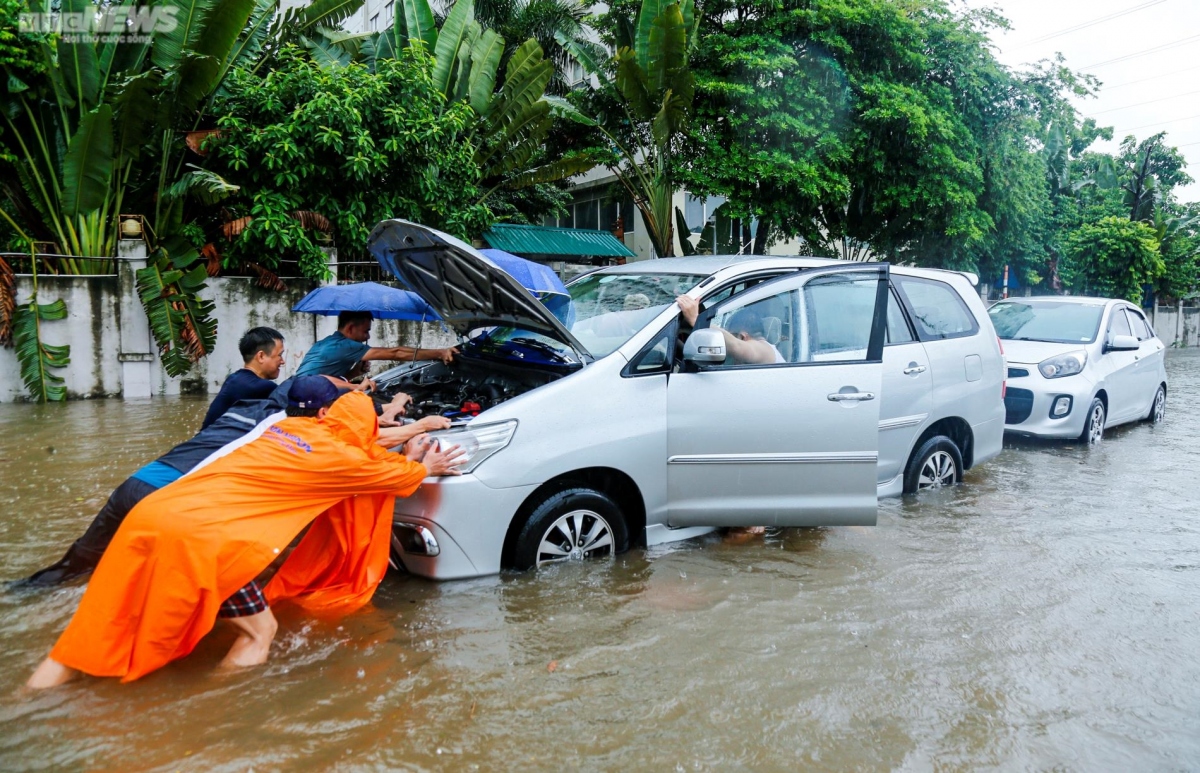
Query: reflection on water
column 1043, row 616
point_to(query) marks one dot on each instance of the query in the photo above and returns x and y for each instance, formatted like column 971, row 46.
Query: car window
column 762, row 336
column 1118, row 325
column 898, row 331
column 1138, row 324
column 656, row 357
column 835, row 318
column 937, row 309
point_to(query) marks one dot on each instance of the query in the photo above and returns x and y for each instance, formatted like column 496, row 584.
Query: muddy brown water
column 1046, row 615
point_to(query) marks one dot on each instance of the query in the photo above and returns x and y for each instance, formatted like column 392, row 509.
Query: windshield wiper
column 533, row 343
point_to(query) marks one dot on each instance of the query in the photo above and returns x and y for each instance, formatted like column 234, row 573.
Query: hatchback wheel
column 571, row 525
column 937, row 463
column 1158, row 409
column 1093, row 428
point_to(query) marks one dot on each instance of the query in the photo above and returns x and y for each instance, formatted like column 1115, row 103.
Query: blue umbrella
column 537, row 278
column 382, row 301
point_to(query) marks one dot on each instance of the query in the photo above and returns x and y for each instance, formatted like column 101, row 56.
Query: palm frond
column 8, row 302
column 207, row 186
column 36, row 359
column 180, row 320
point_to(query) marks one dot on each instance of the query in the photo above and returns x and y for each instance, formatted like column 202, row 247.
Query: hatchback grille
column 1018, row 404
column 1017, row 372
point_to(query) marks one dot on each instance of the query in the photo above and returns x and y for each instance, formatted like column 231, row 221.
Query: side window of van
column 898, row 331
column 938, row 311
column 1138, row 323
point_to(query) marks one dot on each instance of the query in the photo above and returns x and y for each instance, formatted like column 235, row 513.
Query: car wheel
column 1093, row 427
column 571, row 525
column 937, row 463
column 1158, row 409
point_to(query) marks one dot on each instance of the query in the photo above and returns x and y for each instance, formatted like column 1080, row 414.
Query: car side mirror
column 704, row 346
column 1120, row 343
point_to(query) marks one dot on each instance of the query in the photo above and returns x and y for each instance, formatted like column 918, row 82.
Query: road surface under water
column 1044, row 615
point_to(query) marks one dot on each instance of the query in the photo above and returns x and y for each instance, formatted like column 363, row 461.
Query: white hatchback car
column 1079, row 365
column 592, row 429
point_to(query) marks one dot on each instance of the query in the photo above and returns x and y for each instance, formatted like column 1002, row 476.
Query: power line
column 1092, row 23
column 1143, row 52
column 1156, row 123
column 1107, row 87
column 1147, row 102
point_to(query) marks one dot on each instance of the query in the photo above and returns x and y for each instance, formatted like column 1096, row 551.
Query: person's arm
column 390, row 437
column 752, row 352
column 406, row 353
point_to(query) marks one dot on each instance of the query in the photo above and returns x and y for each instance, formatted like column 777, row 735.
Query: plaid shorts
column 244, row 602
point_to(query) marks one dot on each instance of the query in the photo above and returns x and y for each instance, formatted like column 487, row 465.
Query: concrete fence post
column 322, row 325
column 136, row 349
column 1180, row 330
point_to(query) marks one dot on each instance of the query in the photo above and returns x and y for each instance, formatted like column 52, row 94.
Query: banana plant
column 21, row 327
column 96, row 130
column 650, row 78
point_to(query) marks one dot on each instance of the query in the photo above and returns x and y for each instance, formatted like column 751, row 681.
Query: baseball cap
column 311, row 392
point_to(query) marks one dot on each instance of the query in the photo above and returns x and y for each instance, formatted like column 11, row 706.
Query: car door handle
column 851, row 397
column 914, row 369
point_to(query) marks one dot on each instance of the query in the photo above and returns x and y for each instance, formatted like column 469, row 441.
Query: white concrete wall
column 93, row 331
column 1177, row 325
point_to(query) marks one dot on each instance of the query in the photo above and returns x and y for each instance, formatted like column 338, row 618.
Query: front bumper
column 469, row 521
column 1029, row 400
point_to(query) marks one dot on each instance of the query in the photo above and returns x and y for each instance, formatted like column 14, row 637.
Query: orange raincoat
column 187, row 547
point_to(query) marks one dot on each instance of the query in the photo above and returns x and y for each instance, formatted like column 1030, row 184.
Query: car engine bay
column 460, row 390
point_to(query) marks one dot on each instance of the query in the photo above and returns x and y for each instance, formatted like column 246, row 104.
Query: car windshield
column 1053, row 322
column 603, row 312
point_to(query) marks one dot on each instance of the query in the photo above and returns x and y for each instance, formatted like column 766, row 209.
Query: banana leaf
column 180, row 320
column 87, row 169
column 449, row 40
column 36, row 359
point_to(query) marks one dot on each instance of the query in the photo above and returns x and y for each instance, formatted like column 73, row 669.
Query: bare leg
column 253, row 644
column 50, row 673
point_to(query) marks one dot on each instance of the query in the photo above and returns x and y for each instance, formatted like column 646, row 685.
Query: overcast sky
column 1147, row 90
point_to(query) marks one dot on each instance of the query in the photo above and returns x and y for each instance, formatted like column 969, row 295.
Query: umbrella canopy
column 382, row 301
column 537, row 278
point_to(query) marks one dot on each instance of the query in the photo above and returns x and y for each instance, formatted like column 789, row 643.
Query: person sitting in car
column 745, row 336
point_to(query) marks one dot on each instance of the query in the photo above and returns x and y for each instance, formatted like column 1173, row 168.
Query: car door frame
column 701, row 461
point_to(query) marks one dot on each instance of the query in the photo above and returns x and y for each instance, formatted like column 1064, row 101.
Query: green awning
column 566, row 242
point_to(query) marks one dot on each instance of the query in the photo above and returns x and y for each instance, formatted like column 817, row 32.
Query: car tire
column 937, row 463
column 571, row 524
column 1093, row 425
column 1158, row 408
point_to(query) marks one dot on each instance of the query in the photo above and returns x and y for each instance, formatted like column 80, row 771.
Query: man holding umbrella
column 340, row 353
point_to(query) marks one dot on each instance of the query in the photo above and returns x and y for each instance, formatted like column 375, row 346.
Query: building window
column 375, row 23
column 389, row 13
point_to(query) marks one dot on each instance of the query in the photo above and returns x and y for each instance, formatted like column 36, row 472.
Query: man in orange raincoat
column 190, row 546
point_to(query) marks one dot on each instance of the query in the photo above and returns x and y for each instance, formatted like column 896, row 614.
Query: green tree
column 1114, row 257
column 346, row 144
column 643, row 107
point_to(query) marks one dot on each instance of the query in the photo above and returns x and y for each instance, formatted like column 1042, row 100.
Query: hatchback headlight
column 1063, row 365
column 479, row 441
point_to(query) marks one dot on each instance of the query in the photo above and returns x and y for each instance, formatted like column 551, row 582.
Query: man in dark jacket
column 83, row 555
column 262, row 351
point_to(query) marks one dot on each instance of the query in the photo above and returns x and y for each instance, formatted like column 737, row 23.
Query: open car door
column 792, row 442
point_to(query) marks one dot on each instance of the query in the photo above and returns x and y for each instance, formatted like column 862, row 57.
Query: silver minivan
column 603, row 422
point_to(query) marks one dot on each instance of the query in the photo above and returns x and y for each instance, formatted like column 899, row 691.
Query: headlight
column 1063, row 365
column 479, row 441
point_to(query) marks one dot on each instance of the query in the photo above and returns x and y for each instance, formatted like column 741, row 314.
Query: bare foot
column 253, row 644
column 50, row 673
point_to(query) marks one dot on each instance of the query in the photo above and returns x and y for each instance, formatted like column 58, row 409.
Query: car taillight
column 1004, row 365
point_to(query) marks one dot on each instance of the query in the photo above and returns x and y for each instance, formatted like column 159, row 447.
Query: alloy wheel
column 575, row 536
column 1160, row 406
column 938, row 470
column 1096, row 424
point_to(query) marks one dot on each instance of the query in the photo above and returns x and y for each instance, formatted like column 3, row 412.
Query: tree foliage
column 351, row 144
column 1114, row 257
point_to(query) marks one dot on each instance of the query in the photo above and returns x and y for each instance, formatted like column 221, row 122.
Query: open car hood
column 467, row 290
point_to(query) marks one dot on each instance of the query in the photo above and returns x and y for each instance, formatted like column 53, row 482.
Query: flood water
column 1046, row 615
